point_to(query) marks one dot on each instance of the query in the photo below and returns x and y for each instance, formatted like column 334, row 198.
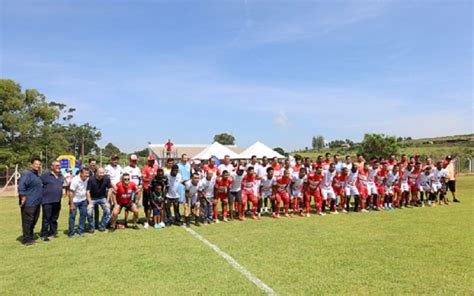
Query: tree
column 82, row 139
column 336, row 143
column 379, row 145
column 110, row 149
column 281, row 151
column 29, row 124
column 318, row 142
column 224, row 139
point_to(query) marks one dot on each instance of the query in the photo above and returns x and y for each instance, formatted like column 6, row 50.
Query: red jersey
column 297, row 168
column 339, row 181
column 169, row 146
column 362, row 178
column 413, row 176
column 148, row 173
column 213, row 169
column 326, row 164
column 380, row 177
column 403, row 164
column 124, row 194
column 314, row 181
column 248, row 183
column 281, row 183
column 223, row 185
column 316, row 165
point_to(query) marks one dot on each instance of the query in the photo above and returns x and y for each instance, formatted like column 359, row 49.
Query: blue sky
column 275, row 71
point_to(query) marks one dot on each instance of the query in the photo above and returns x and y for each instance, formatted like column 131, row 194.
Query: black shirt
column 98, row 188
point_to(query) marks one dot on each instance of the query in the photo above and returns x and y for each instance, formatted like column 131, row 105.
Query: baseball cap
column 114, row 156
column 151, row 157
column 133, row 157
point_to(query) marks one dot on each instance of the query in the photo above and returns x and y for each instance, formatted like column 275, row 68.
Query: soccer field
column 409, row 251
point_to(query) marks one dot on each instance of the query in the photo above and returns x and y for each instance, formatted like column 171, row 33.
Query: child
column 157, row 205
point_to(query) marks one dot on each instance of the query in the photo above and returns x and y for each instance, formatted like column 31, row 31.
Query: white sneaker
column 307, row 214
column 322, row 214
column 162, row 224
column 146, row 225
column 216, row 221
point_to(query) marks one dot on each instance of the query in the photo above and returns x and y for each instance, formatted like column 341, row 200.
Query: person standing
column 169, row 148
column 78, row 201
column 148, row 173
column 451, row 185
column 114, row 170
column 184, row 169
column 53, row 182
column 98, row 187
column 175, row 181
column 30, row 190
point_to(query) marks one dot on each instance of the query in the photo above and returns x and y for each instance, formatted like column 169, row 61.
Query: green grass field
column 409, row 251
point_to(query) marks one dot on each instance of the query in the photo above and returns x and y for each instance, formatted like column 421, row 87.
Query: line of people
column 241, row 188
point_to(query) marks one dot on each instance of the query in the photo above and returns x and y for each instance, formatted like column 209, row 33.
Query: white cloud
column 281, row 120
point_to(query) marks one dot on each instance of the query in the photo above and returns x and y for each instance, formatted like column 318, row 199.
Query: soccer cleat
column 302, row 214
column 308, row 214
column 291, row 215
column 322, row 214
column 225, row 220
column 146, row 225
column 254, row 217
column 364, row 211
column 216, row 221
column 157, row 226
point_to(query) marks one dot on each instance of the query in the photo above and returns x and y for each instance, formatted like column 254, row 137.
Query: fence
column 464, row 165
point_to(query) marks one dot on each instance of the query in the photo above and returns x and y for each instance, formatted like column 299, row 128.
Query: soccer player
column 148, row 173
column 124, row 198
column 313, row 190
column 297, row 190
column 371, row 187
column 380, row 183
column 223, row 185
column 227, row 165
column 412, row 182
column 351, row 189
column 235, row 195
column 391, row 162
column 347, row 163
column 261, row 174
column 266, row 187
column 248, row 194
column 338, row 187
column 327, row 161
column 135, row 176
column 280, row 190
column 362, row 185
column 208, row 188
column 211, row 166
column 172, row 196
column 276, row 167
column 326, row 188
column 424, row 185
column 438, row 183
column 192, row 205
column 405, row 186
column 393, row 187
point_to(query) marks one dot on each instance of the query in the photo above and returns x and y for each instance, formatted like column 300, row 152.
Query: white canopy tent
column 260, row 150
column 218, row 150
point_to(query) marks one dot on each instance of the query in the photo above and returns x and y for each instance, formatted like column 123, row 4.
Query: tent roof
column 218, row 150
column 260, row 150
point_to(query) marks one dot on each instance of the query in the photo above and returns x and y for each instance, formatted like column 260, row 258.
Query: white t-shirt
column 236, row 182
column 173, row 185
column 193, row 189
column 347, row 165
column 114, row 173
column 297, row 182
column 327, row 179
column 229, row 168
column 262, row 171
column 208, row 186
column 266, row 186
column 135, row 174
column 79, row 187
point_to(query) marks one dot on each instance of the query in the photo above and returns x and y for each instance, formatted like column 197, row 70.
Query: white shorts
column 436, row 187
column 424, row 188
column 351, row 190
column 328, row 192
column 297, row 194
column 371, row 188
column 405, row 187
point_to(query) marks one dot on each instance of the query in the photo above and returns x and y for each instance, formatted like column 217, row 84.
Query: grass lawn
column 409, row 251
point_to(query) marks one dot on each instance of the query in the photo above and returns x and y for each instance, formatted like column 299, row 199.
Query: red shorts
column 364, row 192
column 413, row 188
column 338, row 190
column 381, row 190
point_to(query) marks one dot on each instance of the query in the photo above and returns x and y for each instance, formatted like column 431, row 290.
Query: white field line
column 264, row 287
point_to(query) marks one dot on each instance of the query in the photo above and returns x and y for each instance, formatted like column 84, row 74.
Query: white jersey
column 236, row 182
column 266, row 186
column 405, row 175
column 114, row 173
column 223, row 167
column 255, row 166
column 347, row 165
column 393, row 178
column 262, row 171
column 193, row 189
column 438, row 176
column 208, row 186
column 372, row 175
column 297, row 184
column 173, row 185
column 290, row 170
column 135, row 174
column 424, row 181
column 352, row 178
column 328, row 177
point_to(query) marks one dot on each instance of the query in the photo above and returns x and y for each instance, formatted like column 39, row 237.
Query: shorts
column 404, row 187
column 351, row 190
column 146, row 199
column 424, row 188
column 451, row 185
column 156, row 211
column 381, row 190
column 413, row 188
column 328, row 192
column 364, row 191
column 235, row 196
column 297, row 194
column 127, row 206
column 436, row 187
column 371, row 188
column 338, row 190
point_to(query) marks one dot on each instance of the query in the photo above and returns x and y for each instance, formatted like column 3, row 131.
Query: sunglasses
column 127, row 179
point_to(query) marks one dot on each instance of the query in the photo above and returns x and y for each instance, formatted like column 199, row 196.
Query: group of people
column 240, row 189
